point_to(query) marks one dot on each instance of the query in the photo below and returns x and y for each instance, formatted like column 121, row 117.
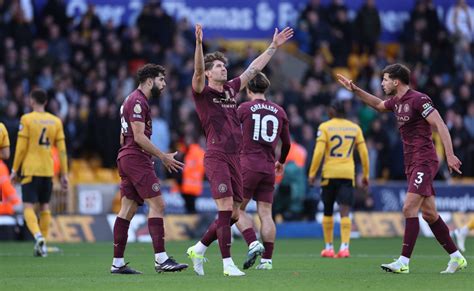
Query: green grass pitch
column 297, row 266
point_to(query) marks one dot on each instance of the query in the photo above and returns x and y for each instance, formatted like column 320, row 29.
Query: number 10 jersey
column 264, row 123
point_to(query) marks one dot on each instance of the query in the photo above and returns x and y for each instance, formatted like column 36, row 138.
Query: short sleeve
column 389, row 104
column 423, row 105
column 235, row 84
column 4, row 140
column 60, row 133
column 321, row 135
column 138, row 111
column 24, row 129
column 359, row 136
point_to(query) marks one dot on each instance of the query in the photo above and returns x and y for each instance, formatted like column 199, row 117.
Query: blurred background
column 86, row 53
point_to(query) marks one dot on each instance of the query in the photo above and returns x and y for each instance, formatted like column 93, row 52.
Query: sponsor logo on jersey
column 403, row 118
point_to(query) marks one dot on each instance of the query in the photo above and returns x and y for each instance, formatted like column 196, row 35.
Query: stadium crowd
column 87, row 67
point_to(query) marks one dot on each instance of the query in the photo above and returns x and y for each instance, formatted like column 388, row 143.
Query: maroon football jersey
column 264, row 123
column 134, row 108
column 411, row 110
column 218, row 114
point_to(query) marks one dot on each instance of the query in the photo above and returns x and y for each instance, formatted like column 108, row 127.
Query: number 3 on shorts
column 419, row 179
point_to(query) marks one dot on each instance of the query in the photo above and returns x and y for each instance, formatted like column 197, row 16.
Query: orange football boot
column 343, row 254
column 327, row 253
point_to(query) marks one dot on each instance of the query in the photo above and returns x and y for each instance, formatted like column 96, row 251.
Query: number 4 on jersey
column 44, row 139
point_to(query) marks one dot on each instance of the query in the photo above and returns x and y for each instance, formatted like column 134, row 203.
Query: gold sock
column 31, row 221
column 45, row 220
column 345, row 230
column 470, row 225
column 328, row 229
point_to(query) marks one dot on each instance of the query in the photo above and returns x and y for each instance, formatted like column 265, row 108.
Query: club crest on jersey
column 222, row 188
column 155, row 187
column 406, row 108
column 20, row 127
column 137, row 108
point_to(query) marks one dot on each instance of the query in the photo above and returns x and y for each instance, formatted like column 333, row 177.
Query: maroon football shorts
column 224, row 174
column 139, row 181
column 258, row 186
column 420, row 179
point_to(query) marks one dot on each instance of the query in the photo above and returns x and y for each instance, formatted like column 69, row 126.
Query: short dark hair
column 40, row 96
column 338, row 107
column 398, row 71
column 149, row 71
column 259, row 84
column 210, row 58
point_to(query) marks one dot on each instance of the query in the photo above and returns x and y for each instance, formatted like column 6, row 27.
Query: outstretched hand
column 345, row 82
column 198, row 33
column 170, row 163
column 281, row 37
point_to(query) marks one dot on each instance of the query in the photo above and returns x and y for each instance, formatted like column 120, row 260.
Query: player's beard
column 155, row 92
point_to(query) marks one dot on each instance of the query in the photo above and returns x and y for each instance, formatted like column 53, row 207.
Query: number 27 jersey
column 264, row 123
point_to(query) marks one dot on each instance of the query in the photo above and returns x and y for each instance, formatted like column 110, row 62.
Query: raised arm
column 144, row 142
column 369, row 99
column 435, row 120
column 199, row 78
column 262, row 60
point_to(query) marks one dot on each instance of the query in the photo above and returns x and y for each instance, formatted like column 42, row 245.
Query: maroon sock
column 157, row 233
column 210, row 234
column 267, row 254
column 441, row 232
column 223, row 232
column 249, row 235
column 412, row 228
column 120, row 236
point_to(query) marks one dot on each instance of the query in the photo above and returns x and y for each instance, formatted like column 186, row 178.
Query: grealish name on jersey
column 263, row 106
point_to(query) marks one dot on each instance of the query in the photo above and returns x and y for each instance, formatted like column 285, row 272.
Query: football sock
column 456, row 254
column 157, row 233
column 267, row 254
column 249, row 235
column 160, row 258
column 45, row 220
column 200, row 248
column 345, row 232
column 227, row 261
column 470, row 225
column 344, row 246
column 32, row 221
column 120, row 236
column 441, row 232
column 328, row 227
column 262, row 260
column 117, row 262
column 404, row 260
column 412, row 228
column 210, row 234
column 223, row 232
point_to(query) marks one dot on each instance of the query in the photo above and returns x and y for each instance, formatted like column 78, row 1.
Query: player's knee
column 408, row 211
column 328, row 210
column 430, row 216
